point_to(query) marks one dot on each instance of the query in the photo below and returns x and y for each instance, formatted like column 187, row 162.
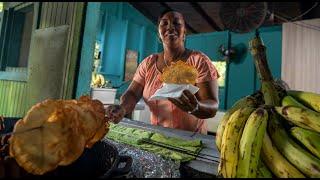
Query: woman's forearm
column 128, row 101
column 206, row 109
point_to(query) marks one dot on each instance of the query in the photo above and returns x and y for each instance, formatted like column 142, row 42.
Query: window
column 221, row 67
column 15, row 38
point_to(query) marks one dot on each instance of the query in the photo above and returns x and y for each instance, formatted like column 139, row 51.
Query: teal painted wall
column 122, row 27
column 242, row 75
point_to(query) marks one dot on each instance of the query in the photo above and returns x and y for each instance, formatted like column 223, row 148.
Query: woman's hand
column 187, row 102
column 115, row 113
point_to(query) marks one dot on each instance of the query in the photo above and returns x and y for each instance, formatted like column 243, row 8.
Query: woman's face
column 172, row 28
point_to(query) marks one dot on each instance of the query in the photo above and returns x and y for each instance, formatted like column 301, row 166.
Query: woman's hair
column 165, row 12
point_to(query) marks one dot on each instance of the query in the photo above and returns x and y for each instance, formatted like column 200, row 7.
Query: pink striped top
column 163, row 112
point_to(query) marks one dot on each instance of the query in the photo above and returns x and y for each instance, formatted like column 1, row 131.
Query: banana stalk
column 270, row 94
column 300, row 158
column 274, row 160
column 304, row 118
column 258, row 51
column 230, row 142
column 251, row 143
column 310, row 139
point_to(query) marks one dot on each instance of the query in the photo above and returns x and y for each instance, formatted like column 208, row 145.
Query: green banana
column 300, row 158
column 263, row 171
column 230, row 142
column 290, row 101
column 310, row 99
column 248, row 101
column 310, row 139
column 304, row 118
column 251, row 143
column 274, row 160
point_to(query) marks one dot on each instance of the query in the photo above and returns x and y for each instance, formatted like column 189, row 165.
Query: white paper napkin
column 173, row 91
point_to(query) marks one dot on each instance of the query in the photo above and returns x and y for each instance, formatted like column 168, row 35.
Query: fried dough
column 65, row 128
column 179, row 73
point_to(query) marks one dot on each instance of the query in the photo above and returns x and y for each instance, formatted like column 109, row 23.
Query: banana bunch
column 264, row 141
column 273, row 133
column 97, row 80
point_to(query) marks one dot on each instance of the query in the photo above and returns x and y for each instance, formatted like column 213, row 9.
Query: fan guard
column 243, row 17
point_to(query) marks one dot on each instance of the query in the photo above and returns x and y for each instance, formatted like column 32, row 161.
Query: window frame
column 6, row 35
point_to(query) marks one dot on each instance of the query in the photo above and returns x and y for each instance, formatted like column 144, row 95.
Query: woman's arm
column 131, row 97
column 204, row 104
column 115, row 113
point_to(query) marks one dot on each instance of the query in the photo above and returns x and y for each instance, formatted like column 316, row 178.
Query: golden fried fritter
column 66, row 127
column 179, row 73
column 93, row 118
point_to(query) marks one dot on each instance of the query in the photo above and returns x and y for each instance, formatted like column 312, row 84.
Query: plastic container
column 105, row 95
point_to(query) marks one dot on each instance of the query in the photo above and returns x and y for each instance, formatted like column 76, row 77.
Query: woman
column 189, row 111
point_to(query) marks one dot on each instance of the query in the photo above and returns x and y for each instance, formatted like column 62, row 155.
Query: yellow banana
column 310, row 99
column 263, row 171
column 251, row 143
column 96, row 80
column 274, row 160
column 230, row 142
column 310, row 139
column 304, row 118
column 290, row 101
column 102, row 81
column 248, row 101
column 300, row 158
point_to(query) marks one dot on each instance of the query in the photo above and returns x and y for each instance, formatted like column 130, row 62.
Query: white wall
column 301, row 55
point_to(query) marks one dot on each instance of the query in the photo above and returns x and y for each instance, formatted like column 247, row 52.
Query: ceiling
column 202, row 17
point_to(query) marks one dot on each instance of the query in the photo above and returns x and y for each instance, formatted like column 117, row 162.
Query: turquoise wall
column 122, row 27
column 242, row 75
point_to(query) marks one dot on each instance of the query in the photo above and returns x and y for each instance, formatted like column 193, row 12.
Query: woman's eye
column 162, row 23
column 178, row 23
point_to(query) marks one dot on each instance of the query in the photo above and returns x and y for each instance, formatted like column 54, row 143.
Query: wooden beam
column 145, row 12
column 188, row 26
column 199, row 9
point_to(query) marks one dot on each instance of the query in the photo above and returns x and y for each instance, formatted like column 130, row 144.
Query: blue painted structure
column 119, row 26
column 87, row 50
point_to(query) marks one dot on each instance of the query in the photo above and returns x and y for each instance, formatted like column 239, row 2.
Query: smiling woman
column 188, row 111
